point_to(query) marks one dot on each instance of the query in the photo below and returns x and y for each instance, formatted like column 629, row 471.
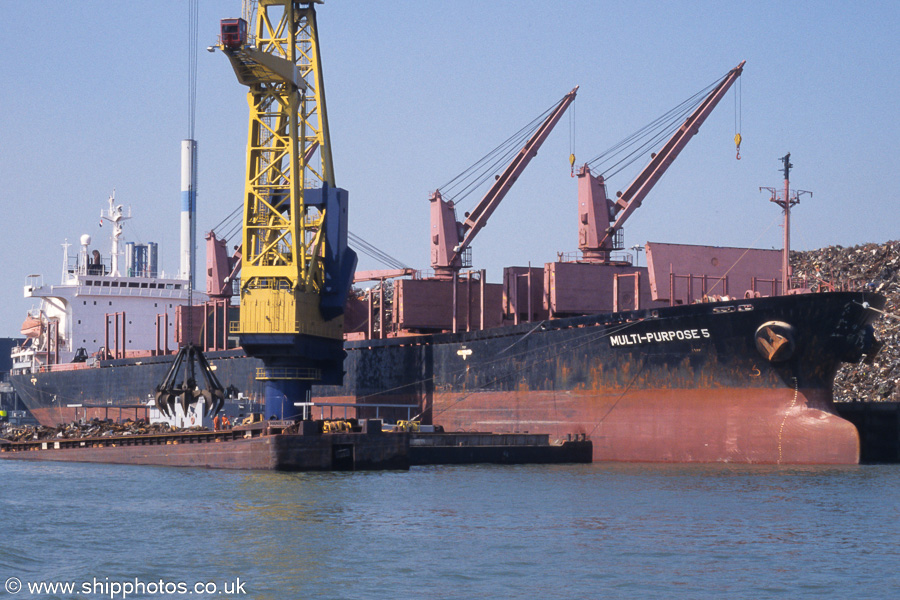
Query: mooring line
column 523, row 337
column 878, row 310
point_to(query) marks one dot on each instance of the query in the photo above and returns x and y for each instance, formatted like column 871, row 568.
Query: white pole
column 188, row 210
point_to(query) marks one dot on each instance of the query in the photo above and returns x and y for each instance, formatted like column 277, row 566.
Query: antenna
column 786, row 201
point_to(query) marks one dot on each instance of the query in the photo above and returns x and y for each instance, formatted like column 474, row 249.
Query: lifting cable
column 737, row 117
column 233, row 224
column 232, row 215
column 193, row 39
column 636, row 145
column 374, row 252
column 572, row 140
column 481, row 171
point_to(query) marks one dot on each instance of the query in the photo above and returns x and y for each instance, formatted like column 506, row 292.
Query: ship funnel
column 188, row 209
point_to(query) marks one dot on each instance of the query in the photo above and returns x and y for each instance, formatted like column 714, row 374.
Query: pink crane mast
column 449, row 238
column 601, row 218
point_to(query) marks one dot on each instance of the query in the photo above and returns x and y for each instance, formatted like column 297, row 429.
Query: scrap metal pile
column 88, row 429
column 875, row 267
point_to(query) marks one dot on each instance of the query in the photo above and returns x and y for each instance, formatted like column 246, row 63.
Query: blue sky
column 95, row 98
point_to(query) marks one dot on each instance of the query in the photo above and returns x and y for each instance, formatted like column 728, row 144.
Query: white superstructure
column 98, row 302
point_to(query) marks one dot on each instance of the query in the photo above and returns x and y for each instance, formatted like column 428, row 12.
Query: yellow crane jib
column 297, row 267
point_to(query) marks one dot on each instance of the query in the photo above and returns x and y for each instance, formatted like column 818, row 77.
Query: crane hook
column 737, row 143
column 572, row 165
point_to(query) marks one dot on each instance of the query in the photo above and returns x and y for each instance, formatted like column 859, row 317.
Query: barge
column 302, row 446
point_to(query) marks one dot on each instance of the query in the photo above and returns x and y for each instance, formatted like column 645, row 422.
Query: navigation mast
column 786, row 201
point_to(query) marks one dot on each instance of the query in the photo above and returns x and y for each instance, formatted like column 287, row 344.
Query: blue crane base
column 282, row 396
column 283, row 353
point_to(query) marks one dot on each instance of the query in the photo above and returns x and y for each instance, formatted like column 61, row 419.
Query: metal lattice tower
column 289, row 252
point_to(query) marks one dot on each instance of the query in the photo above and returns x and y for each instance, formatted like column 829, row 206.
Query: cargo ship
column 739, row 381
column 102, row 339
column 705, row 354
column 744, row 379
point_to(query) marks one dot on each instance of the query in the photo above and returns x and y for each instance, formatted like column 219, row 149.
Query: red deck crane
column 450, row 238
column 600, row 219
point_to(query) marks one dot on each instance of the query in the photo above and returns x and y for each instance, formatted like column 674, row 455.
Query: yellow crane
column 297, row 267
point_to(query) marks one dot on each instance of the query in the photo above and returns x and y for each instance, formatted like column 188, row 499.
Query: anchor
column 187, row 362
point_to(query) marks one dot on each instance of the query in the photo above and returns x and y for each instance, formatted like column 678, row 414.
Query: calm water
column 595, row 531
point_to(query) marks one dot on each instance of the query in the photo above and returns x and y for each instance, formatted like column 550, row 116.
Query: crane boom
column 451, row 239
column 619, row 210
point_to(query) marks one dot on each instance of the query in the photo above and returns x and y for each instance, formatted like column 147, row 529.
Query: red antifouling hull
column 772, row 426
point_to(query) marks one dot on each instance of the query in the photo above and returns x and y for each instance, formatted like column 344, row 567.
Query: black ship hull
column 739, row 381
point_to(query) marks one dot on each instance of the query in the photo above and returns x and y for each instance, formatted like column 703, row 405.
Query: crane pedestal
column 292, row 363
column 282, row 396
